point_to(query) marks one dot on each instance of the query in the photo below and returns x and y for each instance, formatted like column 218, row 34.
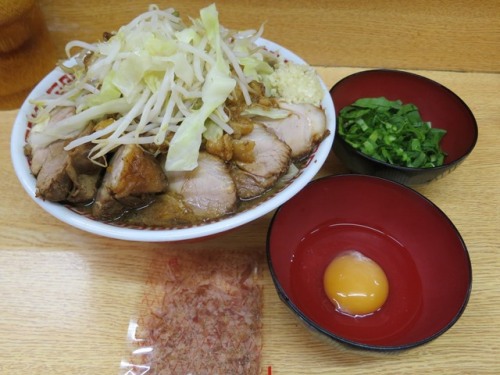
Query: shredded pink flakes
column 202, row 315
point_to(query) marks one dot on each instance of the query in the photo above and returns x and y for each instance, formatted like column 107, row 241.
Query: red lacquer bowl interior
column 417, row 246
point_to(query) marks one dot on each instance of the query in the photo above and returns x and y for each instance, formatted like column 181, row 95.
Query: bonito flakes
column 201, row 315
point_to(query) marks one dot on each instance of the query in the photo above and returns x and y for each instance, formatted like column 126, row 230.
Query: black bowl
column 437, row 104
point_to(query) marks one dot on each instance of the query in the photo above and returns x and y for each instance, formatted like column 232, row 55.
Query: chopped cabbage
column 183, row 152
column 164, row 82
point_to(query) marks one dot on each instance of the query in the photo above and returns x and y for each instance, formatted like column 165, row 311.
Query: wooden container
column 27, row 53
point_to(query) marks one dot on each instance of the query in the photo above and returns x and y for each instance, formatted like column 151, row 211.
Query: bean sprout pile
column 156, row 81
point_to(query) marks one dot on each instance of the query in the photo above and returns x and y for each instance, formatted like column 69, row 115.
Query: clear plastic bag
column 200, row 314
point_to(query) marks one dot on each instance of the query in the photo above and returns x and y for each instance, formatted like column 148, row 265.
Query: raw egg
column 355, row 284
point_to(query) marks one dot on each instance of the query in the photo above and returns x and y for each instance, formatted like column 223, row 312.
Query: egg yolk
column 355, row 284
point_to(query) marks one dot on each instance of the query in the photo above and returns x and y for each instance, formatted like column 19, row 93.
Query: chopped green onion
column 392, row 132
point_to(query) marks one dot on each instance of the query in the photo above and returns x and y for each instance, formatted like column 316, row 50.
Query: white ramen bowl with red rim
column 57, row 79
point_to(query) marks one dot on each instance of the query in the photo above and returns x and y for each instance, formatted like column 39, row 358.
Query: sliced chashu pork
column 83, row 172
column 208, row 190
column 272, row 158
column 65, row 175
column 302, row 130
column 132, row 180
column 48, row 163
column 39, row 154
column 52, row 180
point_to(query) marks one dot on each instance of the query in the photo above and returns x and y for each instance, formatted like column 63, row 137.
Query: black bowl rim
column 382, row 348
column 445, row 166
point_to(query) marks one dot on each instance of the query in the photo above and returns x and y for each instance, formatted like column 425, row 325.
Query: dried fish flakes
column 202, row 315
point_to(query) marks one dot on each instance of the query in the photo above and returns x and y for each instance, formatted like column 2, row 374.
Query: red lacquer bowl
column 436, row 103
column 417, row 246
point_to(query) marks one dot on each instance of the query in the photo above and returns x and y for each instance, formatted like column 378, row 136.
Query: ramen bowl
column 437, row 105
column 421, row 252
column 57, row 78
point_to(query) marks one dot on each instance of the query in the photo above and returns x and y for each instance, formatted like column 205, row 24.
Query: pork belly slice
column 302, row 130
column 85, row 175
column 52, row 181
column 39, row 154
column 62, row 175
column 272, row 158
column 65, row 175
column 208, row 190
column 168, row 210
column 132, row 180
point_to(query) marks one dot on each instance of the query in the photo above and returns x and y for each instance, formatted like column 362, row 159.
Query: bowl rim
column 68, row 216
column 339, row 138
column 352, row 343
